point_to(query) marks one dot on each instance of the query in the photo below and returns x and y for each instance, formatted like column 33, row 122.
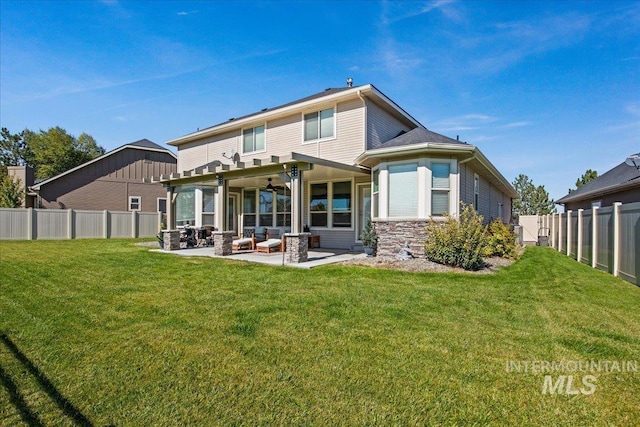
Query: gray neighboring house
column 113, row 181
column 620, row 184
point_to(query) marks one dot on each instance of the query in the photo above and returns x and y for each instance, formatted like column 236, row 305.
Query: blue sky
column 547, row 89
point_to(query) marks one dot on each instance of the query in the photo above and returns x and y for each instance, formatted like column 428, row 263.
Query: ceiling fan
column 272, row 187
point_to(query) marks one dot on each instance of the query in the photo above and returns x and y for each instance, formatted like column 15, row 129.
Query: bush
column 457, row 243
column 501, row 241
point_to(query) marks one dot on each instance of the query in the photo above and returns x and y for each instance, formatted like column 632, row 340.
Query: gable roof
column 419, row 135
column 266, row 113
column 142, row 144
column 619, row 178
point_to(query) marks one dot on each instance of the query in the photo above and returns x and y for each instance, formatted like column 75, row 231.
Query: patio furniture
column 273, row 243
column 245, row 241
column 314, row 241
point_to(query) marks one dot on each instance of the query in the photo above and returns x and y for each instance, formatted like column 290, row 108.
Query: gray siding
column 628, row 196
column 381, row 127
column 108, row 183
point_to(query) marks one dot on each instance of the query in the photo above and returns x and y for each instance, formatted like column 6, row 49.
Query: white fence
column 32, row 224
column 605, row 238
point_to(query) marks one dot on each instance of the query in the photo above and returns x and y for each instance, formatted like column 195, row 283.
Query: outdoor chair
column 273, row 243
column 246, row 240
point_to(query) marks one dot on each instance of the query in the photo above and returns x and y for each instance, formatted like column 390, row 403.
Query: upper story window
column 253, row 139
column 319, row 125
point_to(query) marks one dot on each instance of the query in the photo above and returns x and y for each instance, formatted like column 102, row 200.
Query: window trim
column 334, row 107
column 252, row 128
column 139, row 203
column 449, row 190
column 329, row 210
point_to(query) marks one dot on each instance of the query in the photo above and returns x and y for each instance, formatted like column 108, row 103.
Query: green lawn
column 102, row 332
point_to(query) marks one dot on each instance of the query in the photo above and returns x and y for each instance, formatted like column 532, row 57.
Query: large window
column 331, row 201
column 249, row 208
column 272, row 208
column 341, row 204
column 440, row 188
column 283, row 208
column 266, row 208
column 376, row 192
column 403, row 190
column 208, row 205
column 319, row 205
column 186, row 206
column 319, row 125
column 253, row 139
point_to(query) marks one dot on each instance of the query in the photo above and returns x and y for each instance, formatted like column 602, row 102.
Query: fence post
column 70, row 224
column 560, row 237
column 568, row 233
column 105, row 224
column 30, row 224
column 552, row 236
column 580, row 236
column 594, row 237
column 134, row 224
column 616, row 237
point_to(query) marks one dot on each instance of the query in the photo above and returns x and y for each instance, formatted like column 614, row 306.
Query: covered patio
column 275, row 193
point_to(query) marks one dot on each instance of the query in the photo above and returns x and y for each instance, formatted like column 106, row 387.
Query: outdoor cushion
column 269, row 245
column 260, row 233
column 239, row 243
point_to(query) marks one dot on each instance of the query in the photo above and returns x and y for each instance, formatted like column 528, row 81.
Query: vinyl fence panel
column 89, row 224
column 605, row 239
column 629, row 267
column 14, row 224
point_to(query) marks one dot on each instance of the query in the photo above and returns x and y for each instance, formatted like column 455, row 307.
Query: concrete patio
column 317, row 257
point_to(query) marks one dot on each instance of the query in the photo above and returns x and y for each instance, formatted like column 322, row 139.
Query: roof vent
column 264, row 109
column 349, row 82
column 232, row 119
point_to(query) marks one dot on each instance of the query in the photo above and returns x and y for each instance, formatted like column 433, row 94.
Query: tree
column 588, row 176
column 55, row 151
column 533, row 200
column 11, row 192
column 14, row 150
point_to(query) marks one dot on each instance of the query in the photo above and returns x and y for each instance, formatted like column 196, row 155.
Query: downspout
column 473, row 156
column 364, row 123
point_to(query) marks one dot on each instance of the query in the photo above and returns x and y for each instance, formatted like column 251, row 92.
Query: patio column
column 295, row 184
column 171, row 208
column 221, row 204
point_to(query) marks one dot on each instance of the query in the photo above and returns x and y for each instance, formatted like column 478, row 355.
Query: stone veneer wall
column 296, row 247
column 392, row 236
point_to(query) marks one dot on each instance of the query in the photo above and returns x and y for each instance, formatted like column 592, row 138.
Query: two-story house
column 329, row 162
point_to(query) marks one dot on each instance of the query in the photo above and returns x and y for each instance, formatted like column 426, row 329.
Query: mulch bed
column 422, row 264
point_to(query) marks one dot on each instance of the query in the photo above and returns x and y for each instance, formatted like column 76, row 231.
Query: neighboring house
column 22, row 175
column 620, row 184
column 349, row 154
column 113, row 181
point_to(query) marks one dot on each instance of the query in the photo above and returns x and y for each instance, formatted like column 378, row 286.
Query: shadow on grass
column 27, row 415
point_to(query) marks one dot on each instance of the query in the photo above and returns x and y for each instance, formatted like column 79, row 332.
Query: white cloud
column 186, row 13
column 516, row 124
column 399, row 11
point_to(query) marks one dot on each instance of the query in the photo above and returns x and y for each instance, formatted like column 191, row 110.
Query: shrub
column 501, row 241
column 457, row 243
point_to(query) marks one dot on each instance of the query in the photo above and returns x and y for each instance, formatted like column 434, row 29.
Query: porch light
column 294, row 171
column 220, row 180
